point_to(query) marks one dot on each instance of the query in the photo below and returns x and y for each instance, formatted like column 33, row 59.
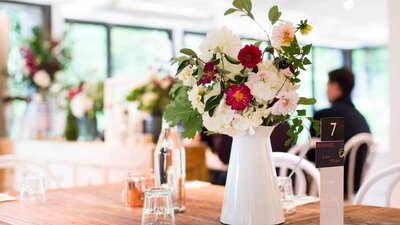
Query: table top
column 102, row 205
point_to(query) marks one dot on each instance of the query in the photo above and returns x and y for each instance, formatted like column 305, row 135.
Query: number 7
column 334, row 127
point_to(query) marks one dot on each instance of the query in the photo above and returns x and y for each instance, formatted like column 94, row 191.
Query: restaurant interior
column 93, row 127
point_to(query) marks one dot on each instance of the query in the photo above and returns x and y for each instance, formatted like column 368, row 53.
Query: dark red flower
column 238, row 96
column 249, row 56
column 209, row 73
column 29, row 61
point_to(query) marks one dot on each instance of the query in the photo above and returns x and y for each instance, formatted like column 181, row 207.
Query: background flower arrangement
column 152, row 96
column 83, row 104
column 232, row 89
column 43, row 59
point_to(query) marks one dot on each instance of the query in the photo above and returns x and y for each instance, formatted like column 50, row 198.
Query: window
column 193, row 40
column 371, row 95
column 324, row 60
column 135, row 51
column 88, row 44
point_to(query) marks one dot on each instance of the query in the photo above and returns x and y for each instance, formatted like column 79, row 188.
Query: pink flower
column 287, row 103
column 238, row 97
column 209, row 73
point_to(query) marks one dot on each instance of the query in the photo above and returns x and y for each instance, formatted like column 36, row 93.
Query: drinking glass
column 287, row 197
column 158, row 208
column 33, row 188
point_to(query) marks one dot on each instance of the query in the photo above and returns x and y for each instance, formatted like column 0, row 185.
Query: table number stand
column 330, row 159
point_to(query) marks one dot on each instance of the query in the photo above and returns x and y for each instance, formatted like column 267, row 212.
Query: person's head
column 340, row 84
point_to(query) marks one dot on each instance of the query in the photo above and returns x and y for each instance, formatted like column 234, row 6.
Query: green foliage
column 161, row 96
column 231, row 60
column 295, row 129
column 189, row 52
column 306, row 101
column 181, row 111
column 242, row 6
column 274, row 14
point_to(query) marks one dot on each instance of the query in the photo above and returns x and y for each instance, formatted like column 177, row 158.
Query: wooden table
column 101, row 205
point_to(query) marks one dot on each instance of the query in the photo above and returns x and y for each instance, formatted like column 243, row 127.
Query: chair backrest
column 351, row 148
column 301, row 148
column 290, row 161
column 395, row 169
column 8, row 161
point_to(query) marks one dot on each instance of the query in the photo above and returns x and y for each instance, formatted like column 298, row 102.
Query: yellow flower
column 305, row 30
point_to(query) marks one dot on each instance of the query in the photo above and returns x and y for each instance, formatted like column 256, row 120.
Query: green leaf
column 200, row 72
column 247, row 5
column 230, row 11
column 306, row 49
column 274, row 14
column 306, row 61
column 306, row 101
column 249, row 14
column 180, row 110
column 258, row 43
column 296, row 80
column 213, row 102
column 181, row 66
column 238, row 4
column 301, row 112
column 239, row 79
column 192, row 127
column 188, row 51
column 231, row 60
column 223, row 71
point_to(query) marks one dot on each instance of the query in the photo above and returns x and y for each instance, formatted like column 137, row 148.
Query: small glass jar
column 134, row 188
column 170, row 165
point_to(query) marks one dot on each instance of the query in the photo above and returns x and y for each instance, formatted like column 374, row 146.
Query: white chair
column 395, row 169
column 351, row 147
column 299, row 149
column 290, row 161
column 8, row 161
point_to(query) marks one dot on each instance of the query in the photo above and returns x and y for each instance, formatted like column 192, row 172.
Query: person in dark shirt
column 339, row 88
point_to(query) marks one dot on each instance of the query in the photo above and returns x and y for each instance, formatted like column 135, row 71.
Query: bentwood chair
column 351, row 148
column 395, row 169
column 285, row 161
column 22, row 165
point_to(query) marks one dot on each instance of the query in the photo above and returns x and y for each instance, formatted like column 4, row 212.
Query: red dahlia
column 238, row 96
column 249, row 56
column 209, row 73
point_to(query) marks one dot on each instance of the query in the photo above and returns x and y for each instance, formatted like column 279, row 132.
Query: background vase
column 152, row 125
column 38, row 118
column 71, row 130
column 87, row 128
column 251, row 191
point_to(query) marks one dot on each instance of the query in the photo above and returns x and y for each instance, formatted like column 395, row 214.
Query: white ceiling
column 363, row 25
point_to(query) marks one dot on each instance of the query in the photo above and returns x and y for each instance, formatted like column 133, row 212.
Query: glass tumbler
column 158, row 208
column 33, row 188
column 287, row 197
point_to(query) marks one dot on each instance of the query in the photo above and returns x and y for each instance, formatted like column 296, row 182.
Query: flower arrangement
column 152, row 96
column 86, row 99
column 43, row 59
column 83, row 102
column 232, row 90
